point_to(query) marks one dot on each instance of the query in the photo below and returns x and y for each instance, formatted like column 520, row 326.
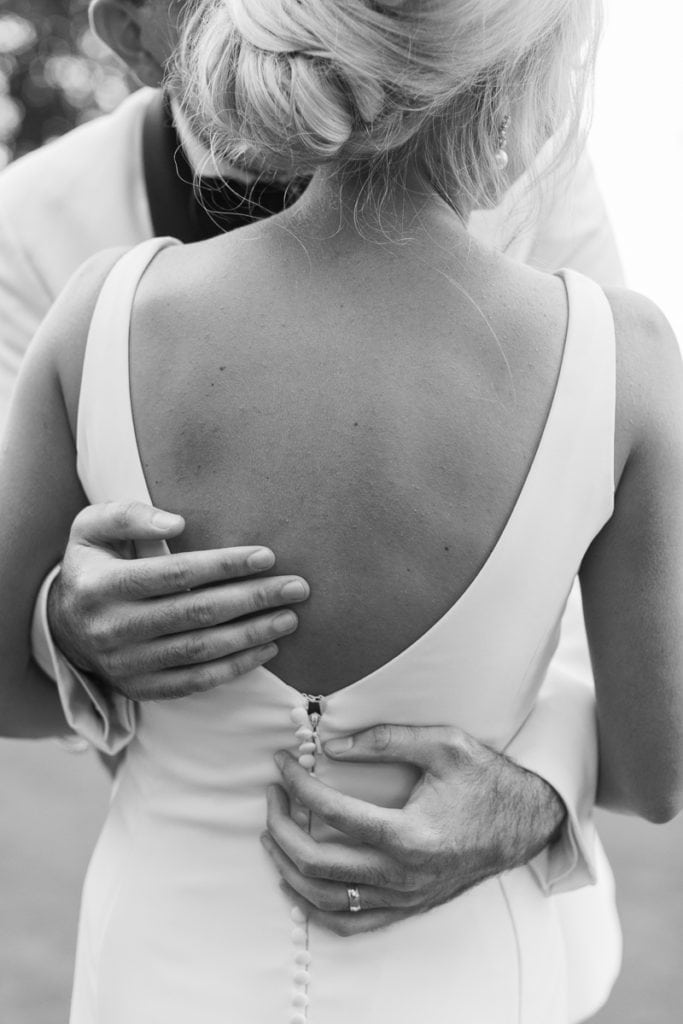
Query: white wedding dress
column 183, row 921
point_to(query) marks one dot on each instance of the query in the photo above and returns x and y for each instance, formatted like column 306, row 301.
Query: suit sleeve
column 24, row 301
column 574, row 229
column 559, row 742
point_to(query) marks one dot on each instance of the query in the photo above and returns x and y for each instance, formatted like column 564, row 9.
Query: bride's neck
column 388, row 209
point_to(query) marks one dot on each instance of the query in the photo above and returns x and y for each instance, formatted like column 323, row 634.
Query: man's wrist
column 537, row 814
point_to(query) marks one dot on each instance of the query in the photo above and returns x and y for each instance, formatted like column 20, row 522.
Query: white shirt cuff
column 103, row 718
column 569, row 862
column 558, row 742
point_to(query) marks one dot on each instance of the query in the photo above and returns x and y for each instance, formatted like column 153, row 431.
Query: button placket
column 306, row 719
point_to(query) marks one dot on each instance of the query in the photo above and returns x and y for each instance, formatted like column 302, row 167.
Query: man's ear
column 119, row 24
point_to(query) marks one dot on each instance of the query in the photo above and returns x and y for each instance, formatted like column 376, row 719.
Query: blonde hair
column 293, row 84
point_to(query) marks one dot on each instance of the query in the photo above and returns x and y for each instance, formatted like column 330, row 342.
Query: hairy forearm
column 527, row 815
column 541, row 815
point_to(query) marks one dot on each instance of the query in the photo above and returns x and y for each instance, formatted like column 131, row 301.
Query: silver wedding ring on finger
column 354, row 898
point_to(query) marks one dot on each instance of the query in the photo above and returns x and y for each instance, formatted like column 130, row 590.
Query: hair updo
column 293, row 84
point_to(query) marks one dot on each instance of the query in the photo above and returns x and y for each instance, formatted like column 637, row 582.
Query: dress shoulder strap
column 108, row 459
column 571, row 480
column 587, row 408
column 568, row 495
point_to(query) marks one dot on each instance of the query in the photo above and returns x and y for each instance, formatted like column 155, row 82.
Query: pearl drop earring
column 501, row 153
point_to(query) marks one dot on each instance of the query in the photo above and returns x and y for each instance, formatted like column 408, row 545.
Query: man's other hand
column 472, row 814
column 168, row 626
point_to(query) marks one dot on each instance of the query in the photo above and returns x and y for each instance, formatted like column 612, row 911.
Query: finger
column 112, row 521
column 182, row 682
column 422, row 746
column 333, row 896
column 201, row 645
column 329, row 860
column 364, row 821
column 346, row 924
column 203, row 609
column 173, row 574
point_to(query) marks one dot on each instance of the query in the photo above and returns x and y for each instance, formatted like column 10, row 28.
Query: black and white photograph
column 341, row 512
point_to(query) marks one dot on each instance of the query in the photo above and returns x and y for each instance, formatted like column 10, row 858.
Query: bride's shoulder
column 533, row 301
column 177, row 270
column 62, row 337
column 647, row 351
column 192, row 284
column 72, row 311
column 649, row 377
column 639, row 321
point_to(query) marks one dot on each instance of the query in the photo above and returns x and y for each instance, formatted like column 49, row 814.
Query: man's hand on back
column 164, row 627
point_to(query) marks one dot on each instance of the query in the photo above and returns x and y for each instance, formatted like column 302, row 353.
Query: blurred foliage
column 54, row 73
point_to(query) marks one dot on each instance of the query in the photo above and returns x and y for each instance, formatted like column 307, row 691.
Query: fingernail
column 165, row 520
column 338, row 746
column 261, row 559
column 285, row 622
column 295, row 590
column 268, row 652
column 279, row 758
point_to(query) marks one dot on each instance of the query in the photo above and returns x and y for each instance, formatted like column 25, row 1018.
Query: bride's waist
column 214, row 771
column 243, row 767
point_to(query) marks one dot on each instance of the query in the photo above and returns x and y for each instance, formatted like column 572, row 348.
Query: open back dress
column 183, row 920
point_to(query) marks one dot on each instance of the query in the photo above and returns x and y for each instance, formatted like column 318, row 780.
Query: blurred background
column 54, row 75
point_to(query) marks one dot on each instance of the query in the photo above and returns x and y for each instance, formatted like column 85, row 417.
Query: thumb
column 421, row 746
column 110, row 522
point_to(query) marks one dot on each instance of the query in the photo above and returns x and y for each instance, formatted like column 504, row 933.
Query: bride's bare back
column 370, row 411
